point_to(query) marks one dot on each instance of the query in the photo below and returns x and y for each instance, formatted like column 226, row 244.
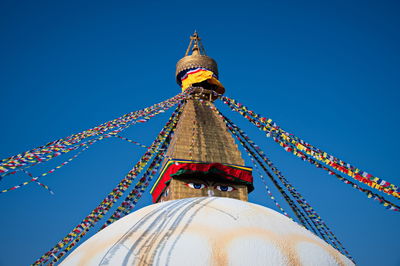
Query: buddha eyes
column 196, row 185
column 219, row 187
column 224, row 188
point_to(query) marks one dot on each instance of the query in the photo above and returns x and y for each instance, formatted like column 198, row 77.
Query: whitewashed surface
column 205, row 231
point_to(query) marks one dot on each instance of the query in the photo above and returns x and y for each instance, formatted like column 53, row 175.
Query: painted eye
column 195, row 185
column 225, row 188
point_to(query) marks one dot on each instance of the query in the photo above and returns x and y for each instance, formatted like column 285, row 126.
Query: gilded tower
column 203, row 158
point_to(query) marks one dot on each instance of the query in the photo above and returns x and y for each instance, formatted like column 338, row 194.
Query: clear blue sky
column 328, row 72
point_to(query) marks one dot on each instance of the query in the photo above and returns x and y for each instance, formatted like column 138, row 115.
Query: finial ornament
column 197, row 69
column 195, row 42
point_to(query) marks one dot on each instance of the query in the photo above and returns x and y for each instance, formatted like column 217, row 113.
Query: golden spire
column 198, row 48
column 201, row 146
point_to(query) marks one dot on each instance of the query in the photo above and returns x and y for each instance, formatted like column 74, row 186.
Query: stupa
column 201, row 214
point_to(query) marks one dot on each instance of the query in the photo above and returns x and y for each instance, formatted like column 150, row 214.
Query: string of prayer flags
column 312, row 216
column 131, row 141
column 58, row 147
column 103, row 208
column 303, row 220
column 300, row 216
column 38, row 182
column 317, row 221
column 53, row 151
column 89, row 142
column 193, row 139
column 289, row 147
column 63, row 246
column 35, row 179
column 139, row 144
column 130, row 202
column 303, row 156
column 314, row 219
column 271, row 196
column 293, row 144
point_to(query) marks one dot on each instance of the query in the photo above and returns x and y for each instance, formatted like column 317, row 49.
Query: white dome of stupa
column 205, row 231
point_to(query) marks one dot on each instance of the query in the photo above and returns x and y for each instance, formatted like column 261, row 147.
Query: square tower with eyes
column 189, row 187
